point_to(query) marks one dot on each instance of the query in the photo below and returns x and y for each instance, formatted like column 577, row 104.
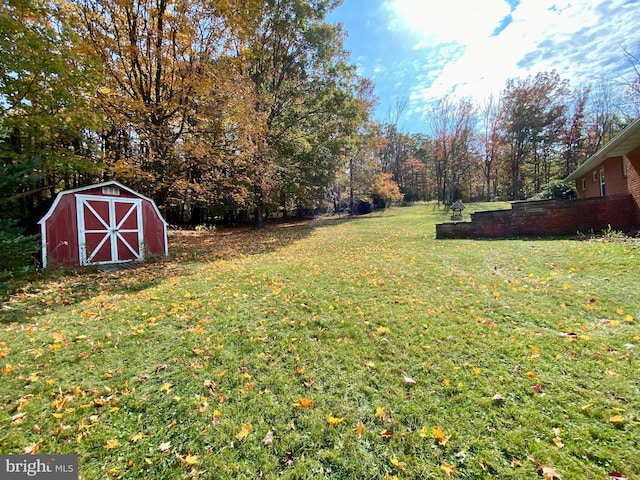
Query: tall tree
column 45, row 88
column 301, row 82
column 452, row 122
column 490, row 143
column 573, row 134
column 533, row 110
column 159, row 61
column 633, row 84
column 602, row 120
column 398, row 147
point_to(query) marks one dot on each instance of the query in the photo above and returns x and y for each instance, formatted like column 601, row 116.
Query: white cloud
column 461, row 21
column 541, row 35
column 424, row 49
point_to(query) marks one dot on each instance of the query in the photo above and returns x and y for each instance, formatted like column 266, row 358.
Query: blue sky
column 421, row 49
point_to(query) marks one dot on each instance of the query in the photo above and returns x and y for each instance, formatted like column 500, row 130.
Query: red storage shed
column 103, row 223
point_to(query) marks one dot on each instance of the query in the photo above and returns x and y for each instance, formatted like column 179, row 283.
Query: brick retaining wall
column 547, row 218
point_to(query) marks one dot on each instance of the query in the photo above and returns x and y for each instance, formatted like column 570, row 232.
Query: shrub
column 556, row 189
column 17, row 254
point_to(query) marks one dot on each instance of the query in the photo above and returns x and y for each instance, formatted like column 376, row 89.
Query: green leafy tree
column 45, row 112
column 302, row 84
column 17, row 254
column 531, row 121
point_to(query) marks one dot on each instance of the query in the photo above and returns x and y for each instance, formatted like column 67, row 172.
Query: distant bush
column 410, row 195
column 555, row 190
column 17, row 254
column 363, row 207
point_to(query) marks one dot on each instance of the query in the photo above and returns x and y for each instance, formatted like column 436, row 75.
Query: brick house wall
column 546, row 218
column 608, row 188
column 633, row 180
column 615, row 179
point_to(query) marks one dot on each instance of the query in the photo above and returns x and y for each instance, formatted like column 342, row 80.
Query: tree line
column 518, row 145
column 242, row 109
column 211, row 108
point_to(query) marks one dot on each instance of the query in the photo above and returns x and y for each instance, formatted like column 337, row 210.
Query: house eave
column 620, row 145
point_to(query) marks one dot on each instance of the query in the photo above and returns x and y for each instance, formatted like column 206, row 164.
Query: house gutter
column 605, row 152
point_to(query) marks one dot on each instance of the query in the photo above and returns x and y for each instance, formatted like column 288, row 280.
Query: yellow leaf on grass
column 440, row 437
column 111, row 444
column 617, row 419
column 383, row 330
column 303, row 403
column 166, row 387
column 244, row 432
column 558, row 442
column 380, row 413
column 333, row 421
column 397, row 463
column 359, row 430
column 137, row 437
column 424, row 432
column 61, row 403
column 449, row 470
column 22, row 401
column 191, row 460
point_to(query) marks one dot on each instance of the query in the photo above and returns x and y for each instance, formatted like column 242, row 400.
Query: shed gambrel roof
column 626, row 141
column 110, row 183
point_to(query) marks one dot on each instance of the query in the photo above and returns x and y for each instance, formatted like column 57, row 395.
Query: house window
column 595, row 176
column 584, row 184
column 624, row 166
column 602, row 185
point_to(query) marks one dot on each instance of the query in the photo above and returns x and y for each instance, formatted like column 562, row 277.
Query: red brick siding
column 633, row 180
column 615, row 182
column 547, row 217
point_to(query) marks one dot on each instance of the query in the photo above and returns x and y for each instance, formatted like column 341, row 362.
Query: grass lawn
column 359, row 349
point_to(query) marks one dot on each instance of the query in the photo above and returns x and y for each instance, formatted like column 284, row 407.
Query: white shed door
column 109, row 229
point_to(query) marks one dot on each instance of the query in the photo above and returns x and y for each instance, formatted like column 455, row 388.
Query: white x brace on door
column 109, row 229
